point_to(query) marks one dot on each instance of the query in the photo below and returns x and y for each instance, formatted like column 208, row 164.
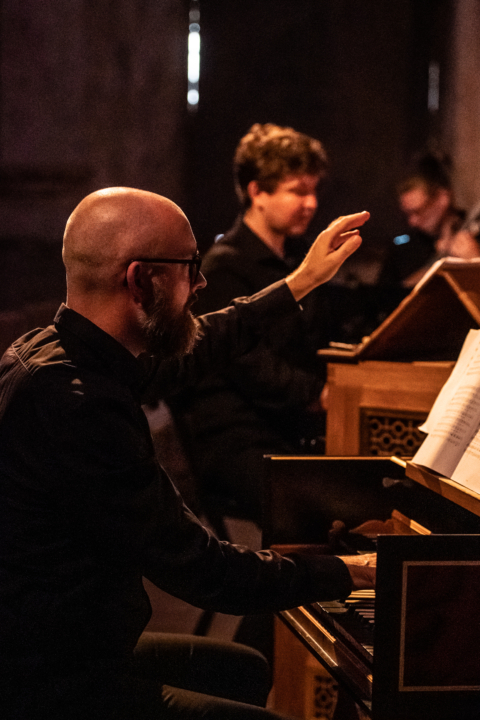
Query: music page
column 454, row 421
column 467, row 472
column 469, row 353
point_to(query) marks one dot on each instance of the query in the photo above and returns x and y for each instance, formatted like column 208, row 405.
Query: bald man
column 85, row 511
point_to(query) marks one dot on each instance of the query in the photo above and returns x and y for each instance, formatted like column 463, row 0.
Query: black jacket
column 85, row 510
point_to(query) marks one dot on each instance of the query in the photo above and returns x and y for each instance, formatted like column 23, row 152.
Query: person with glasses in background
column 426, row 199
column 85, row 509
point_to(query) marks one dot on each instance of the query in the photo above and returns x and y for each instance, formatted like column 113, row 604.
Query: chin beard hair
column 170, row 334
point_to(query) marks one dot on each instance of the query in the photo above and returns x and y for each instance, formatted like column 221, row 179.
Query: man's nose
column 311, row 201
column 200, row 282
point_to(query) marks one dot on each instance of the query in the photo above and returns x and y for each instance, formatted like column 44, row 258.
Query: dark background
column 353, row 74
column 93, row 94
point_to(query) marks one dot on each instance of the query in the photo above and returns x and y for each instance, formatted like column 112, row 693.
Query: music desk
column 422, row 660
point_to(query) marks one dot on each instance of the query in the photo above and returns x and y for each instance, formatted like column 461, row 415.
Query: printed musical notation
column 452, row 446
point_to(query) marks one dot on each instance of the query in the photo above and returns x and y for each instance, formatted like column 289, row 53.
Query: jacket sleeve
column 187, row 561
column 117, row 511
column 269, row 377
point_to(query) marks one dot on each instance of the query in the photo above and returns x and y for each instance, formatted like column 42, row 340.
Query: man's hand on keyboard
column 362, row 569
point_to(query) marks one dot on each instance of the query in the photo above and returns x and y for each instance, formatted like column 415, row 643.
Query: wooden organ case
column 411, row 652
column 381, row 390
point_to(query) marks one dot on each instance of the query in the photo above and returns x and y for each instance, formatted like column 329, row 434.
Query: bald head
column 112, row 227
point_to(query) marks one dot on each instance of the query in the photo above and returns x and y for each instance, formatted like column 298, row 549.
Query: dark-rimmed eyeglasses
column 194, row 264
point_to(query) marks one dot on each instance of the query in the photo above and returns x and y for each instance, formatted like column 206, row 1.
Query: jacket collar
column 87, row 339
column 258, row 252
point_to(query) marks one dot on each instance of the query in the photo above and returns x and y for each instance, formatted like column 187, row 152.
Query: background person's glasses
column 194, row 265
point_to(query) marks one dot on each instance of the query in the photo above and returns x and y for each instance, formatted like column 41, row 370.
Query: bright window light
column 192, row 97
column 193, row 56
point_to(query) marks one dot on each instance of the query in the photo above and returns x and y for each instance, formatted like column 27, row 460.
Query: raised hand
column 330, row 249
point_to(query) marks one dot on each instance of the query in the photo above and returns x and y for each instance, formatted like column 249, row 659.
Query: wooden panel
column 302, row 687
column 406, row 387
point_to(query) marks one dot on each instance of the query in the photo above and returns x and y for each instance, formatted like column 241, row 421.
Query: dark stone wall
column 462, row 106
column 93, row 94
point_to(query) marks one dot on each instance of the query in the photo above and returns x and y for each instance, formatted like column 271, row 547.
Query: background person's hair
column 269, row 153
column 428, row 171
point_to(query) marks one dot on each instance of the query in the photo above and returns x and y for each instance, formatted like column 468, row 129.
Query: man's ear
column 139, row 284
column 253, row 190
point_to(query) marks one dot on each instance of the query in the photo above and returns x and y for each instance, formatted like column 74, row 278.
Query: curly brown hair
column 268, row 153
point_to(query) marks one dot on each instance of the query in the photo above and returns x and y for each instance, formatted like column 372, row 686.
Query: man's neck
column 113, row 318
column 273, row 239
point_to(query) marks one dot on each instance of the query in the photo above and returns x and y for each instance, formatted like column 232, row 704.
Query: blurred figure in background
column 426, row 199
column 267, row 401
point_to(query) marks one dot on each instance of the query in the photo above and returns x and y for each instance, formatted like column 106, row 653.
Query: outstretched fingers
column 346, row 243
column 340, row 239
column 349, row 222
column 344, row 235
column 331, row 248
column 346, row 227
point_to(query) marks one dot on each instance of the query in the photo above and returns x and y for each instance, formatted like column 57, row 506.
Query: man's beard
column 167, row 332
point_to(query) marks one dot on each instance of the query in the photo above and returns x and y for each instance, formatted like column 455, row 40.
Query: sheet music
column 469, row 355
column 467, row 472
column 454, row 422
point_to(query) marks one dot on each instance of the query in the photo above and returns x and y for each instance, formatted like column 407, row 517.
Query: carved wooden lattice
column 321, row 694
column 385, row 433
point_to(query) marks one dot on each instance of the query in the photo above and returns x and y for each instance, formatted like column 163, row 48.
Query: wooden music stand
column 382, row 389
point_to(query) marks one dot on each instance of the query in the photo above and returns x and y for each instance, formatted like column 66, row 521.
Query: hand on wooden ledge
column 362, row 569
